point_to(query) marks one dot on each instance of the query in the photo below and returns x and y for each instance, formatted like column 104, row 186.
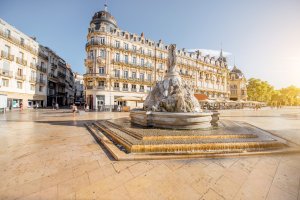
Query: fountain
column 172, row 125
column 172, row 104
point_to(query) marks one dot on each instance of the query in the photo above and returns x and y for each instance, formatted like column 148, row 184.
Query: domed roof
column 237, row 71
column 104, row 16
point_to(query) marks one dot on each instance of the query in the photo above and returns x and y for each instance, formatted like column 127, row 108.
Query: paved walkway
column 49, row 154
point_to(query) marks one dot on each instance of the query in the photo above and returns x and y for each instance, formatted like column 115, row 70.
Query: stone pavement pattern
column 49, row 154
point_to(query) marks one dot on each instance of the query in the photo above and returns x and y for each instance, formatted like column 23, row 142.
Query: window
column 102, row 53
column 141, row 76
column 41, row 89
column 149, row 52
column 32, row 75
column 149, row 77
column 134, row 75
column 141, row 88
column 148, row 88
column 116, row 85
column 41, row 76
column 7, row 49
column 117, row 44
column 125, row 74
column 133, row 87
column 117, row 57
column 6, row 66
column 90, row 83
column 101, row 70
column 125, row 85
column 161, row 55
column 160, row 66
column 117, row 73
column 142, row 62
column 22, row 41
column 7, row 33
column 91, row 54
column 134, row 60
column 5, row 82
column 133, row 47
column 142, row 51
column 126, row 46
column 19, row 73
column 32, row 87
column 101, row 83
column 21, row 55
column 126, row 59
column 102, row 40
column 19, row 85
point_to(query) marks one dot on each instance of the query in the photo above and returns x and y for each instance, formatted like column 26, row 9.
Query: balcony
column 42, row 81
column 100, row 87
column 133, row 90
column 52, row 77
column 125, row 89
column 20, row 77
column 42, row 68
column 7, row 56
column 42, row 55
column 32, row 79
column 116, row 88
column 6, row 73
column 17, row 42
column 21, row 61
column 96, row 43
column 33, row 66
column 145, row 66
column 94, row 75
column 89, row 87
column 53, row 65
column 61, row 75
column 141, row 90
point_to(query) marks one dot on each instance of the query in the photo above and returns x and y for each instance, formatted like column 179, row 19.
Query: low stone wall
column 172, row 120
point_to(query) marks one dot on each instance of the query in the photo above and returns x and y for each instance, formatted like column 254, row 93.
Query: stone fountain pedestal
column 171, row 120
column 172, row 104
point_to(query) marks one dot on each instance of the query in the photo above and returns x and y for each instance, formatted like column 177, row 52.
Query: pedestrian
column 74, row 109
column 37, row 105
column 21, row 106
column 56, row 106
column 53, row 105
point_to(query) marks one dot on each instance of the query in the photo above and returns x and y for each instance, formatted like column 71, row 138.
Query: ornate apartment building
column 123, row 64
column 23, row 77
column 237, row 82
column 60, row 80
column 31, row 74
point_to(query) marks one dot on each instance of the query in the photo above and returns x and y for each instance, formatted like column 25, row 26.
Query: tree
column 259, row 90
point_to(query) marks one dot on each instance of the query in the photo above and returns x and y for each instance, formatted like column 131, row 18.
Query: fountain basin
column 172, row 120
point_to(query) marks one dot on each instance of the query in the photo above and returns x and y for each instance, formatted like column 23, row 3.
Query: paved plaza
column 49, row 154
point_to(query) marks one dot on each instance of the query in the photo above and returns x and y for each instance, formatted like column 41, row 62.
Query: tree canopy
column 262, row 91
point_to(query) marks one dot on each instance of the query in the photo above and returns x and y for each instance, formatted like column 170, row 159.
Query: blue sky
column 262, row 35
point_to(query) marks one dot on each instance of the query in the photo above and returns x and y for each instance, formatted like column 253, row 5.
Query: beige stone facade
column 237, row 82
column 23, row 77
column 122, row 64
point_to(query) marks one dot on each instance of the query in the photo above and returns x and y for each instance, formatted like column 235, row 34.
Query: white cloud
column 210, row 52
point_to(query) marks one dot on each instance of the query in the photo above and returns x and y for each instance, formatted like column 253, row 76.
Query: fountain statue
column 171, row 103
column 172, row 94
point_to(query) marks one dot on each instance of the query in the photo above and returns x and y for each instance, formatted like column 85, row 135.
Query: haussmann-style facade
column 122, row 64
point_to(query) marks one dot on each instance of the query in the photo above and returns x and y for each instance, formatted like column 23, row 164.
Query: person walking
column 74, row 109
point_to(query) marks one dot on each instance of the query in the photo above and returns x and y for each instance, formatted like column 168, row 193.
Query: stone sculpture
column 172, row 94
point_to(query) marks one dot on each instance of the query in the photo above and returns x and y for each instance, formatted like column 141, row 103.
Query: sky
column 261, row 36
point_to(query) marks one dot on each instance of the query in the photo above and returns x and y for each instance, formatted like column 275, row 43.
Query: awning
column 136, row 99
column 200, row 97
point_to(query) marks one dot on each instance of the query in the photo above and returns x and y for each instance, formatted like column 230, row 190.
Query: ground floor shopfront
column 16, row 100
column 107, row 101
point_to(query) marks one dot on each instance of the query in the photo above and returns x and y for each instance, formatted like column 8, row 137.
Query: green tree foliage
column 262, row 91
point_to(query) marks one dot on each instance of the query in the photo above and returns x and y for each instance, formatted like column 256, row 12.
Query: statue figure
column 172, row 58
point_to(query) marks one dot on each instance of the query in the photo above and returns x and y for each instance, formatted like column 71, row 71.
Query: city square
column 122, row 102
column 49, row 154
